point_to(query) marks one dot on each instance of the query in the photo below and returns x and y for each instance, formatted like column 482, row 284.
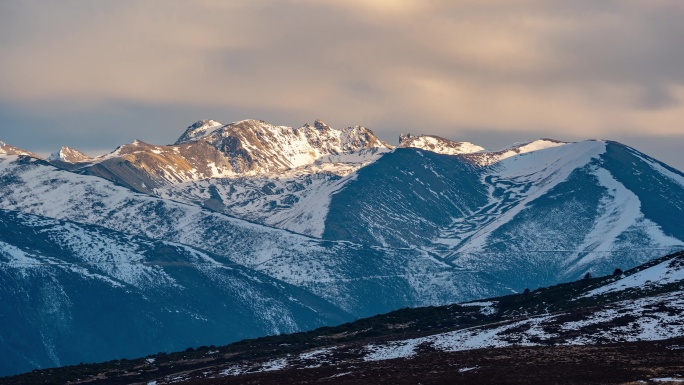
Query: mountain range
column 321, row 225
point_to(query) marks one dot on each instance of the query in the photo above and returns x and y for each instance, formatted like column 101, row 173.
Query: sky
column 96, row 74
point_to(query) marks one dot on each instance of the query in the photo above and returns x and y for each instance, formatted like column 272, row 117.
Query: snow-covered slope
column 275, row 175
column 653, row 276
column 65, row 285
column 341, row 272
column 296, row 202
column 591, row 209
column 553, row 210
column 437, row 144
column 653, row 318
column 648, row 319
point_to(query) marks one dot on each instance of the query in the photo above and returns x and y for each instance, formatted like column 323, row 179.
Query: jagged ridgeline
column 307, row 216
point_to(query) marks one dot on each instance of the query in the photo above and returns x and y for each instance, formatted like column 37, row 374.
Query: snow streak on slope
column 619, row 213
column 514, row 182
column 658, row 167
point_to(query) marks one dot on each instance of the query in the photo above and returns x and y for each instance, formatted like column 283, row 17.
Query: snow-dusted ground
column 648, row 319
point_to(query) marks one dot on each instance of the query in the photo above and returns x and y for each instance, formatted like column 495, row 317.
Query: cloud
column 584, row 67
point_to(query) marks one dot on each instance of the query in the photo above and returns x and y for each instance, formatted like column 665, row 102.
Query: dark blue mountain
column 75, row 293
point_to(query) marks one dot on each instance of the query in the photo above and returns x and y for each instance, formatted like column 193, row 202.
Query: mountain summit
column 198, row 130
column 6, row 149
column 69, row 155
column 254, row 146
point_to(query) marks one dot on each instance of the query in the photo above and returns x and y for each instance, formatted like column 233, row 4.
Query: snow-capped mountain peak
column 199, row 130
column 437, row 144
column 6, row 149
column 69, row 155
column 254, row 146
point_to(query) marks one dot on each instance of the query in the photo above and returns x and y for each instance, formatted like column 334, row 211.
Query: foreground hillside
column 611, row 330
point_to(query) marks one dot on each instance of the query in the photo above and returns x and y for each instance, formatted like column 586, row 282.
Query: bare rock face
column 144, row 166
column 255, row 147
column 437, row 144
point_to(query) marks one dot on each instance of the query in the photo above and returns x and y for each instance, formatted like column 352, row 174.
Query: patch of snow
column 340, row 374
column 438, row 145
column 273, row 365
column 392, row 350
column 658, row 275
column 486, row 307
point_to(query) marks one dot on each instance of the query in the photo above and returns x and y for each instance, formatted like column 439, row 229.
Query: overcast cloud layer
column 96, row 74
